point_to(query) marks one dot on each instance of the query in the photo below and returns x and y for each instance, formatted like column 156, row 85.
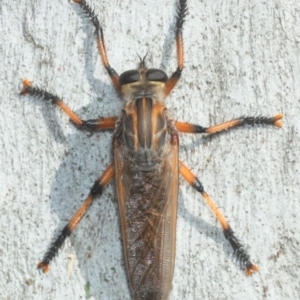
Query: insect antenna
column 142, row 61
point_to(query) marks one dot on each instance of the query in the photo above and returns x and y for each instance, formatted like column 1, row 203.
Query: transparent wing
column 148, row 212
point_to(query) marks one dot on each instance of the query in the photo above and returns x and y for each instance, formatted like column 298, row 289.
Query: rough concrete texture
column 241, row 58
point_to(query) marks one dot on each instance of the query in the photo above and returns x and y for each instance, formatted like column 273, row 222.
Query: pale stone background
column 241, row 58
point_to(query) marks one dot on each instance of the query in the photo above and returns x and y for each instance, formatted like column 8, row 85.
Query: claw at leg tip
column 26, row 84
column 278, row 116
column 277, row 121
column 278, row 124
column 43, row 266
column 250, row 270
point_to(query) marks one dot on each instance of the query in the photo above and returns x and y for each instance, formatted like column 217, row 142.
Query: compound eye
column 156, row 75
column 129, row 77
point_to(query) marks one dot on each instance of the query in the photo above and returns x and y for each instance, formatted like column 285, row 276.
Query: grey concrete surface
column 241, row 58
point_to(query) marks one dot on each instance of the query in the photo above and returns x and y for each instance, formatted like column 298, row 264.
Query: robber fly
column 146, row 168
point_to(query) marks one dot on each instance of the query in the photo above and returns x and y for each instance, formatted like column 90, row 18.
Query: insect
column 146, row 168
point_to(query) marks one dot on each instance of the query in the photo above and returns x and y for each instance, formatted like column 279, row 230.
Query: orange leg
column 240, row 252
column 192, row 128
column 182, row 11
column 96, row 190
column 100, row 42
column 93, row 124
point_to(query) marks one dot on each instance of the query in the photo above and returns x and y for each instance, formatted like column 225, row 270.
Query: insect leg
column 97, row 188
column 181, row 13
column 192, row 128
column 100, row 41
column 93, row 124
column 239, row 251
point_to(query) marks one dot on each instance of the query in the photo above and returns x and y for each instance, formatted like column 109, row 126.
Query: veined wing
column 148, row 213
